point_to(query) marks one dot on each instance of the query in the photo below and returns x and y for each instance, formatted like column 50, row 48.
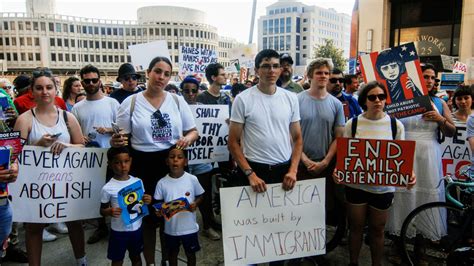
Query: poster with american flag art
column 398, row 69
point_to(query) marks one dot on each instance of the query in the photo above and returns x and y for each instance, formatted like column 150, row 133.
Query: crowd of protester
column 157, row 126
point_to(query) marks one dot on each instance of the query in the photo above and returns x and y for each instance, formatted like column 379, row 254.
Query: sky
column 231, row 17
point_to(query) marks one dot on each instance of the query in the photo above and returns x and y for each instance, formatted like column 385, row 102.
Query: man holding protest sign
column 265, row 134
column 95, row 114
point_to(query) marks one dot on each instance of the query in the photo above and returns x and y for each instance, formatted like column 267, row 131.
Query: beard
column 92, row 89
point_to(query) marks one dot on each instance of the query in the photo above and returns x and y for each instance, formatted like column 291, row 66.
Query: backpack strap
column 393, row 126
column 176, row 100
column 354, row 126
column 66, row 120
column 132, row 108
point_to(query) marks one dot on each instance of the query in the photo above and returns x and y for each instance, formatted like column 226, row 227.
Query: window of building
column 109, row 45
column 5, row 25
column 60, row 57
column 120, row 31
column 53, row 57
column 270, row 43
column 139, row 32
column 298, row 21
column 275, row 43
column 1, row 41
column 109, row 31
column 20, row 25
column 84, row 44
column 176, row 59
column 271, row 12
column 104, row 45
column 176, row 45
column 116, row 45
column 97, row 45
column 29, row 41
column 2, row 56
column 297, row 46
column 23, row 57
column 163, row 32
column 277, row 26
column 127, row 32
column 15, row 57
column 28, row 25
column 52, row 42
column 9, row 57
column 265, row 43
column 288, row 42
column 37, row 56
column 168, row 32
column 304, row 47
column 265, row 27
column 122, row 59
column 97, row 58
column 111, row 59
column 22, row 41
column 270, row 26
column 129, row 58
column 59, row 42
column 288, row 9
column 294, row 9
column 282, row 42
column 277, row 11
column 288, row 25
column 51, row 26
column 115, row 31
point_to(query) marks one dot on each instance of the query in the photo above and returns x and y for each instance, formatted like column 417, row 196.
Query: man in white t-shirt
column 95, row 115
column 265, row 134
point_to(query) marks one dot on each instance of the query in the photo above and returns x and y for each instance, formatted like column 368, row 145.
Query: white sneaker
column 59, row 228
column 48, row 237
column 211, row 234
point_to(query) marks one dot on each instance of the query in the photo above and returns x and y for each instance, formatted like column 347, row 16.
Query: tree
column 329, row 50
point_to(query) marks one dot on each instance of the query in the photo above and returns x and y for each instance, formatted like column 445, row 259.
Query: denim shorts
column 5, row 221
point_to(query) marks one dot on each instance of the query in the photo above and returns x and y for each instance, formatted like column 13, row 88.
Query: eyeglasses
column 161, row 120
column 131, row 77
column 89, row 81
column 335, row 80
column 42, row 72
column 189, row 91
column 372, row 97
column 268, row 66
column 6, row 87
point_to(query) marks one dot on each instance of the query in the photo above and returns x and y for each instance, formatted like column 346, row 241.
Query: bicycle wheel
column 431, row 232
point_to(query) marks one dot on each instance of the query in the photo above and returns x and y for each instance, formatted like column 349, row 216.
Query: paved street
column 59, row 253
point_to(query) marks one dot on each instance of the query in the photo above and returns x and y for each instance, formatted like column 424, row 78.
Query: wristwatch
column 248, row 172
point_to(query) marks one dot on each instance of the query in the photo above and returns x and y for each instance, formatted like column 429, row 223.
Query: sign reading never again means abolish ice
column 374, row 161
column 211, row 123
column 58, row 188
column 456, row 153
column 274, row 225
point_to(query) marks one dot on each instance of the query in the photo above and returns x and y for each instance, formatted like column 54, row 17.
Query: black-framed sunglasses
column 89, row 81
column 189, row 91
column 42, row 72
column 6, row 87
column 335, row 80
column 159, row 116
column 372, row 97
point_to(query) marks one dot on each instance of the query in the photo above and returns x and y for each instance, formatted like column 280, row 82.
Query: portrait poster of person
column 398, row 68
column 131, row 203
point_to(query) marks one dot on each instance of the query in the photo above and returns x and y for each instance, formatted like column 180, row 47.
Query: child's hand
column 146, row 199
column 193, row 207
column 115, row 212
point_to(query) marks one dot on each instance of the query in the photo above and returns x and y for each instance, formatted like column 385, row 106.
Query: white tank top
column 38, row 129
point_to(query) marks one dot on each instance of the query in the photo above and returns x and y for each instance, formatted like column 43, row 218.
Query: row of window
column 106, row 31
column 277, row 43
column 329, row 15
column 326, row 24
column 22, row 56
column 329, row 33
column 285, row 10
column 276, row 26
column 59, row 42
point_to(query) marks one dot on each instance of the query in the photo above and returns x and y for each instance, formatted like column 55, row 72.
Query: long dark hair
column 67, row 87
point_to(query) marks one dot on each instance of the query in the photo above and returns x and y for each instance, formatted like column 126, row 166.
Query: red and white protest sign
column 456, row 153
column 374, row 162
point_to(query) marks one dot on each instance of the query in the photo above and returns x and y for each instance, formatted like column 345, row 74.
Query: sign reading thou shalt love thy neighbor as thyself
column 374, row 162
column 273, row 225
column 58, row 188
column 211, row 123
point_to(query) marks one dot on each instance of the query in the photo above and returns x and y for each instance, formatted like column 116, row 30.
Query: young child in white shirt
column 123, row 237
column 182, row 227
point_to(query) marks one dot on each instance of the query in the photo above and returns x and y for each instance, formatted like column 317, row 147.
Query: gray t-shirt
column 319, row 117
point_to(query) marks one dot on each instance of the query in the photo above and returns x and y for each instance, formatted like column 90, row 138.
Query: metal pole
column 252, row 22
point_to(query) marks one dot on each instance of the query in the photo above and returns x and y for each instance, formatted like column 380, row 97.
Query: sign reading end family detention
column 58, row 188
column 374, row 162
column 274, row 225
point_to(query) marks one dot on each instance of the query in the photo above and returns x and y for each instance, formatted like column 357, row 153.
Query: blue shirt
column 350, row 105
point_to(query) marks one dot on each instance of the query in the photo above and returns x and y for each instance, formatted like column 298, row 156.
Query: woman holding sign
column 369, row 201
column 153, row 121
column 47, row 126
column 425, row 129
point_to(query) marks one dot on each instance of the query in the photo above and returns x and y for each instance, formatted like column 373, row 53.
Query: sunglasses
column 6, row 87
column 131, row 77
column 89, row 81
column 42, row 72
column 189, row 91
column 372, row 97
column 335, row 80
column 161, row 120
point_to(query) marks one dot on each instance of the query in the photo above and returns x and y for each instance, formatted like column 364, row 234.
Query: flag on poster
column 398, row 68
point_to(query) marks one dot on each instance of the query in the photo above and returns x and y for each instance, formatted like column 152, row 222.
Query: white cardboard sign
column 143, row 53
column 58, row 188
column 275, row 225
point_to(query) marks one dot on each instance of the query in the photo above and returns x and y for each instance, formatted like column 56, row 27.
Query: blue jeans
column 5, row 221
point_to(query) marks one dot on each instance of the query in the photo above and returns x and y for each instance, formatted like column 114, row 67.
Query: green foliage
column 329, row 50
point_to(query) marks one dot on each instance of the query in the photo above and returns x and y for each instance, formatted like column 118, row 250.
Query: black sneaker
column 98, row 235
column 15, row 254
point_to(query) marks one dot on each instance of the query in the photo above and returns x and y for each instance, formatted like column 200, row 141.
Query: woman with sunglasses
column 152, row 121
column 72, row 87
column 40, row 127
column 425, row 129
column 366, row 201
column 462, row 103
